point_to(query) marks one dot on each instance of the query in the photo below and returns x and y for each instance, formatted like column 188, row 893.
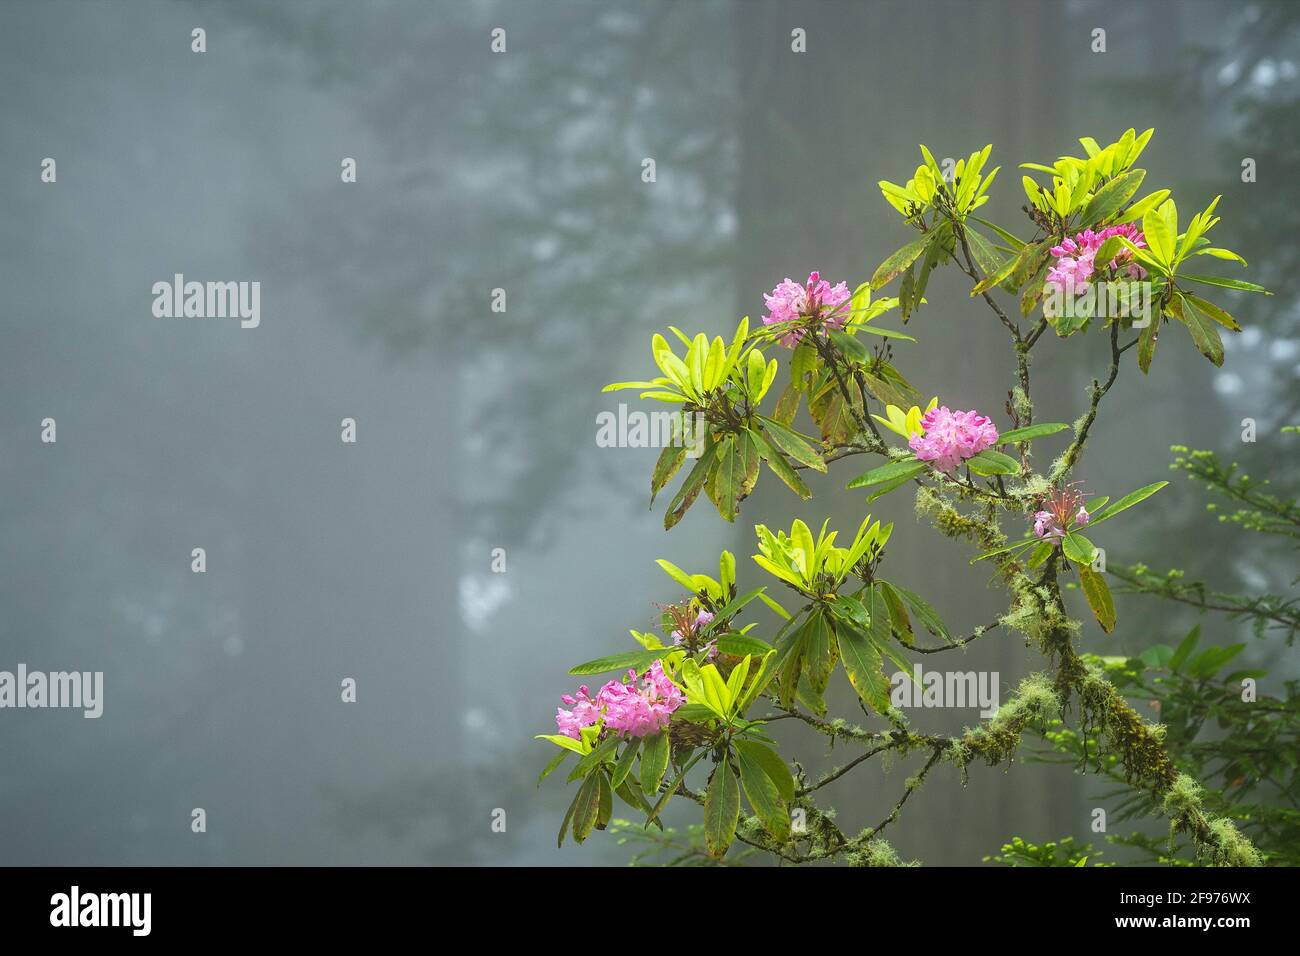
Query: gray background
column 477, row 429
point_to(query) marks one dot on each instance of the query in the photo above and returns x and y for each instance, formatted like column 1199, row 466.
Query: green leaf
column 880, row 634
column 787, row 406
column 899, row 261
column 990, row 462
column 793, row 445
column 854, row 350
column 1098, row 595
column 803, row 362
column 763, row 796
column 598, row 755
column 625, row 762
column 662, row 396
column 887, row 333
column 670, row 460
column 1006, row 236
column 1128, row 501
column 691, row 487
column 780, row 467
column 586, row 808
column 1014, row 546
column 737, row 603
column 1227, row 254
column 739, row 645
column 1024, row 261
column 1030, row 432
column 898, row 617
column 1237, row 284
column 771, row 763
column 1108, row 200
column 565, row 824
column 696, row 356
column 554, row 763
column 714, row 363
column 1213, row 311
column 1185, row 647
column 986, row 257
column 606, row 805
column 1147, row 343
column 1212, row 659
column 879, row 491
column 924, row 613
column 788, row 663
column 789, row 575
column 616, row 386
column 1205, row 336
column 775, row 607
column 730, row 476
column 637, row 660
column 633, row 799
column 695, row 713
column 1078, row 548
column 1160, row 228
column 819, row 656
column 895, row 469
column 727, row 570
column 677, row 574
column 849, row 609
column 766, row 672
column 560, row 740
column 888, row 385
column 721, row 810
column 1157, row 655
column 1039, row 555
column 935, row 254
column 862, row 662
column 654, row 762
column 716, row 693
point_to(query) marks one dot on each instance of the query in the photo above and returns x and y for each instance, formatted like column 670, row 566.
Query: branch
column 1071, row 456
column 912, row 784
column 960, row 643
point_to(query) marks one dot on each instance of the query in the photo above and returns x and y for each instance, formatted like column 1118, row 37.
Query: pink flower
column 1074, row 266
column 626, row 707
column 1063, row 511
column 948, row 438
column 586, row 711
column 817, row 304
column 638, row 711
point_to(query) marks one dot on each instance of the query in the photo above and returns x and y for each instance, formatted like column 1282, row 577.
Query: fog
column 475, row 429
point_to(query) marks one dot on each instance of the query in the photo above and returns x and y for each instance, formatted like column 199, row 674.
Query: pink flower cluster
column 627, row 707
column 1074, row 266
column 820, row 301
column 1063, row 510
column 948, row 438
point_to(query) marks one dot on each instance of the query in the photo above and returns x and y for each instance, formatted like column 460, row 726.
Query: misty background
column 476, row 430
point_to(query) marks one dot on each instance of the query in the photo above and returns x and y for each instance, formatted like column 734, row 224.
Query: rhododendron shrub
column 692, row 715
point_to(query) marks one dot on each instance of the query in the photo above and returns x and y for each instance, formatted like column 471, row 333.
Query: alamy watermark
column 179, row 299
column 638, row 429
column 1126, row 299
column 943, row 689
column 78, row 690
column 75, row 908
